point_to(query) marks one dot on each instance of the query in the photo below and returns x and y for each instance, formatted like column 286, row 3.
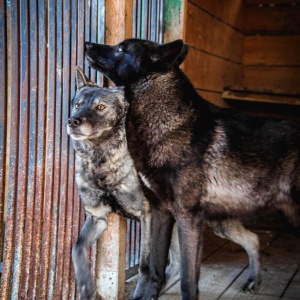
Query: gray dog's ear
column 166, row 54
column 184, row 52
column 81, row 79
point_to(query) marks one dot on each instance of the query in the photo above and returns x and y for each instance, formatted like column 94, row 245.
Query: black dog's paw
column 251, row 285
column 146, row 290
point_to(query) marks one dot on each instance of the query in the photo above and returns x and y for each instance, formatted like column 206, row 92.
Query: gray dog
column 105, row 175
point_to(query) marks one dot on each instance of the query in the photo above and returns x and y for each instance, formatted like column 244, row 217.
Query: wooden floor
column 225, row 268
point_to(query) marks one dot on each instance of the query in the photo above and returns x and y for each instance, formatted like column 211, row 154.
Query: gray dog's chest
column 103, row 171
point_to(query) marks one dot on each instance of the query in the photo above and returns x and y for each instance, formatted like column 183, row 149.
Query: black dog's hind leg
column 234, row 231
column 90, row 232
column 162, row 224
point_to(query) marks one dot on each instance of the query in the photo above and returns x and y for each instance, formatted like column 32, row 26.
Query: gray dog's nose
column 74, row 122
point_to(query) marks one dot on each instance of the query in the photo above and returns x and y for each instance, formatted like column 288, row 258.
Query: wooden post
column 111, row 248
column 175, row 16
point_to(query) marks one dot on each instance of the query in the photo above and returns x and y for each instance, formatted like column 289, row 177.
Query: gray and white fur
column 105, row 175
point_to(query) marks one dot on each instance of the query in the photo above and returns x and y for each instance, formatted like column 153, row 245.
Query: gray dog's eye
column 77, row 105
column 101, row 107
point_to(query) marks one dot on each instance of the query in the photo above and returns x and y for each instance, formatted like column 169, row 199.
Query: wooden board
column 279, row 261
column 272, row 50
column 220, row 9
column 211, row 73
column 213, row 97
column 281, row 79
column 293, row 290
column 240, row 95
column 220, row 270
column 272, row 20
column 205, row 32
column 270, row 2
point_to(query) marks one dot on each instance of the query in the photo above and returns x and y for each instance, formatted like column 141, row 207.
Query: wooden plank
column 272, row 20
column 213, row 97
column 271, row 2
column 280, row 79
column 293, row 290
column 229, row 11
column 220, row 269
column 111, row 266
column 174, row 20
column 211, row 73
column 271, row 50
column 260, row 97
column 224, row 267
column 279, row 261
column 219, row 41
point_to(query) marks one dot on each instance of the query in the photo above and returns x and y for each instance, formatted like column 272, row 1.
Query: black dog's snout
column 74, row 122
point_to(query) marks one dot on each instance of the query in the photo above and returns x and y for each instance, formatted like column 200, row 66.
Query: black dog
column 200, row 161
column 105, row 175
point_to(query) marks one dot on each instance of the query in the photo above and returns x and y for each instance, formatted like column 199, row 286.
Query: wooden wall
column 215, row 35
column 272, row 46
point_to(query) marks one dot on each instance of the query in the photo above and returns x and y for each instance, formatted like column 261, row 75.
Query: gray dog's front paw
column 88, row 290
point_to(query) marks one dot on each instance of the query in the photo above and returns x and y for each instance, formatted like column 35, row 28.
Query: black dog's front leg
column 190, row 240
column 148, row 287
column 90, row 232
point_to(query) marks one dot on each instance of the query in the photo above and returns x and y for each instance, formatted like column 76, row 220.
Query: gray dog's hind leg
column 234, row 231
column 90, row 232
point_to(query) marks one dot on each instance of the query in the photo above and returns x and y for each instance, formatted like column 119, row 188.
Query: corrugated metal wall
column 41, row 41
column 40, row 44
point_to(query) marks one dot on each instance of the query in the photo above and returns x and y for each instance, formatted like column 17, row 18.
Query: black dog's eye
column 77, row 105
column 121, row 48
column 101, row 107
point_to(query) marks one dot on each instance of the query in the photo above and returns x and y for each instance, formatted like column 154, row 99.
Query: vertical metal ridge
column 87, row 30
column 29, row 201
column 3, row 116
column 23, row 151
column 55, row 279
column 67, row 164
column 40, row 157
column 49, row 163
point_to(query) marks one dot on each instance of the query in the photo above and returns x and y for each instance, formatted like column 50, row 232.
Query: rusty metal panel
column 42, row 208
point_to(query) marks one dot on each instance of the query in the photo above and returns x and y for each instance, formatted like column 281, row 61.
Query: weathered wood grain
column 272, row 50
column 272, row 20
column 211, row 73
column 205, row 32
column 279, row 79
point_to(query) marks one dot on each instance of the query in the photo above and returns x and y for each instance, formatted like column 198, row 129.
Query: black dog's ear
column 184, row 52
column 166, row 54
column 81, row 79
